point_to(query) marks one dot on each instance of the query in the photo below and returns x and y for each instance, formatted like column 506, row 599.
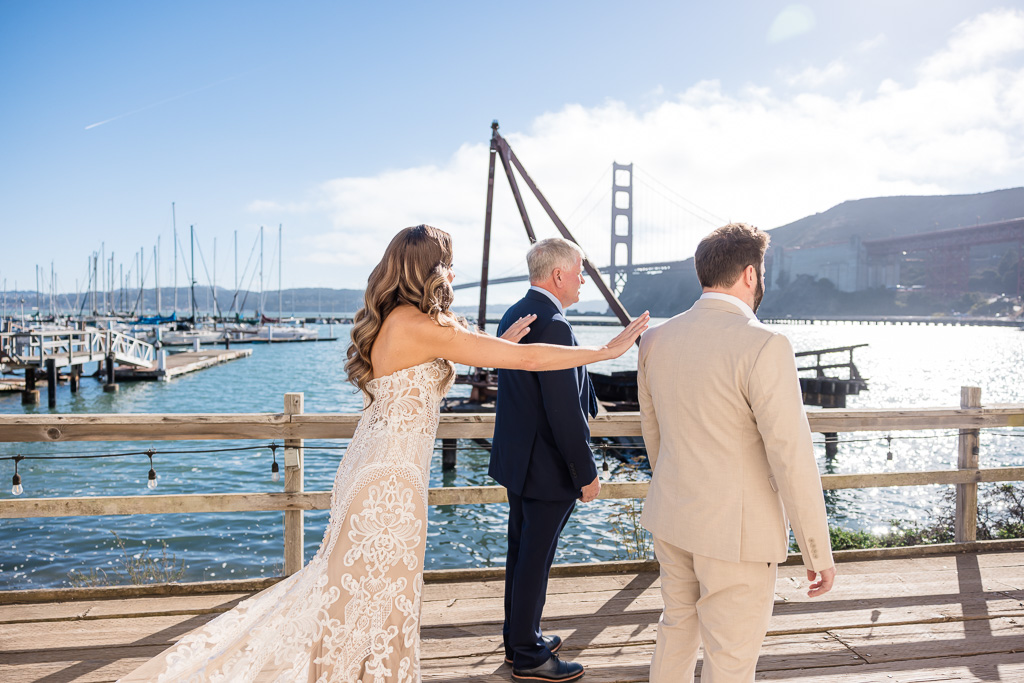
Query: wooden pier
column 950, row 617
column 178, row 364
column 928, row 613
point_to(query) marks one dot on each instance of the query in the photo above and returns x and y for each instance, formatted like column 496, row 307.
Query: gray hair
column 546, row 255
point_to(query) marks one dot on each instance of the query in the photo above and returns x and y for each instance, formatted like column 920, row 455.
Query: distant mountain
column 881, row 217
column 673, row 291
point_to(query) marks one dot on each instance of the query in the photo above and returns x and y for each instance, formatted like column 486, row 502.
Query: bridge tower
column 622, row 226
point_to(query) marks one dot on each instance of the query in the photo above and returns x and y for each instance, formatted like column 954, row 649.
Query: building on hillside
column 844, row 264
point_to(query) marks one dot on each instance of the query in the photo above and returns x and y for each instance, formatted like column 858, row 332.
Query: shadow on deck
column 934, row 618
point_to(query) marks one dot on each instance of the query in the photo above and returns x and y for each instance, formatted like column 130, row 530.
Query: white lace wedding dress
column 353, row 613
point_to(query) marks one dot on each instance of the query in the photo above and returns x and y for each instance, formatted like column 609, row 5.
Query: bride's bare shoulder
column 405, row 316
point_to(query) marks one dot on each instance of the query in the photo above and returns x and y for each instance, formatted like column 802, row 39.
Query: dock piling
column 51, row 382
column 30, row 396
column 111, row 386
column 449, row 454
column 831, row 444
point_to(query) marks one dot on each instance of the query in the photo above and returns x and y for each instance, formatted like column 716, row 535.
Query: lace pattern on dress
column 352, row 614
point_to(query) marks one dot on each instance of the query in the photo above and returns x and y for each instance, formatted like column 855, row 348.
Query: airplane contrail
column 157, row 104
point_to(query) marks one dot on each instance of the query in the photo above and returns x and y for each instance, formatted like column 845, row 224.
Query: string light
column 152, row 472
column 275, row 470
column 16, row 487
column 888, row 455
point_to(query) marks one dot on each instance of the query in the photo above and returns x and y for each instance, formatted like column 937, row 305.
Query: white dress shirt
column 554, row 299
column 729, row 298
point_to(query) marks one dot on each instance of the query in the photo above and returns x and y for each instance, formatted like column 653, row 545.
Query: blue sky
column 347, row 121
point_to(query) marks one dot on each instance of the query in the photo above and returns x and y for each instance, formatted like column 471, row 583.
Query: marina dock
column 12, row 384
column 951, row 617
column 178, row 364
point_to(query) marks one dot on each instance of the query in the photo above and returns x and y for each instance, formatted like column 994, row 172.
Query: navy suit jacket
column 541, row 446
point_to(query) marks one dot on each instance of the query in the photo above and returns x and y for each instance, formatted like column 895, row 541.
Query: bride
column 352, row 614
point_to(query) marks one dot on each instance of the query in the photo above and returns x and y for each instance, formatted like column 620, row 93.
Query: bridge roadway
column 635, row 268
column 931, row 617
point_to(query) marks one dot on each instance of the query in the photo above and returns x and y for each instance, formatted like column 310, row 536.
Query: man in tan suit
column 731, row 460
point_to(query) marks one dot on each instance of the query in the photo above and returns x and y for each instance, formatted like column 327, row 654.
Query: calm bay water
column 906, row 366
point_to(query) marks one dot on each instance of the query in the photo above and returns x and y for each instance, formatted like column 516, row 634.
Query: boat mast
column 174, row 224
column 261, row 272
column 142, row 280
column 192, row 279
column 156, row 260
column 280, row 261
column 234, row 299
column 112, row 284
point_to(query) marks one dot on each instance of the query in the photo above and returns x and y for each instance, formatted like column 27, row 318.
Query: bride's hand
column 625, row 339
column 519, row 329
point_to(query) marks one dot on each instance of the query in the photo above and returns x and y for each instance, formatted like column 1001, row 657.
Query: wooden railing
column 293, row 427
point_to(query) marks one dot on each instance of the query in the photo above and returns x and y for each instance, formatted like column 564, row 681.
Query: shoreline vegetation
column 1000, row 516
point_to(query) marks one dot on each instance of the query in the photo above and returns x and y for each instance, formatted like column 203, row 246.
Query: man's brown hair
column 723, row 255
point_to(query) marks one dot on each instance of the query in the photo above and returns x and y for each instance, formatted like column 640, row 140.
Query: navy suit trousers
column 539, row 523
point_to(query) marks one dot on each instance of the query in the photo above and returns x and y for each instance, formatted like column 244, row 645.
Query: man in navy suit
column 541, row 455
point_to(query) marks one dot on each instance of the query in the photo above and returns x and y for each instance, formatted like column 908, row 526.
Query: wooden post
column 51, row 382
column 293, row 483
column 966, row 525
column 831, row 444
column 449, row 454
column 111, row 385
column 74, row 378
column 30, row 396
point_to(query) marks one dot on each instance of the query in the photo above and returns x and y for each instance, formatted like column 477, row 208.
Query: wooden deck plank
column 107, row 609
column 958, row 617
column 1008, row 667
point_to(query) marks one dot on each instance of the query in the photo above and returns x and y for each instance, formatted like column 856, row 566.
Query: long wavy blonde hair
column 414, row 271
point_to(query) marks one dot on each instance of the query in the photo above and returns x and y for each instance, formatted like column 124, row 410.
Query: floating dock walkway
column 179, row 364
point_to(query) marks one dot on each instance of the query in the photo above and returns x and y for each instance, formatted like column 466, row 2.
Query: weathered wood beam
column 456, row 495
column 199, row 426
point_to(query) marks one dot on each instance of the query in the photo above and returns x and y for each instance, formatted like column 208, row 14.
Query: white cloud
column 871, row 43
column 978, row 42
column 791, row 22
column 754, row 155
column 813, row 77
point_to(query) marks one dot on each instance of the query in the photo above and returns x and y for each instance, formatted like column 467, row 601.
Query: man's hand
column 591, row 490
column 822, row 585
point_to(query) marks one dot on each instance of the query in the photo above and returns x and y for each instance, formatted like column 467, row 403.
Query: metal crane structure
column 501, row 149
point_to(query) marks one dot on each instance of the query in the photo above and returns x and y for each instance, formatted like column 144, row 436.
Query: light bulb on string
column 152, row 472
column 888, row 454
column 275, row 469
column 16, row 487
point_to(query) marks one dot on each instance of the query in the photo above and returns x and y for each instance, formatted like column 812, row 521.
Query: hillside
column 674, row 291
column 881, row 217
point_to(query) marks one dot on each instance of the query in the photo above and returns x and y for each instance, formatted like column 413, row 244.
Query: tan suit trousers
column 725, row 605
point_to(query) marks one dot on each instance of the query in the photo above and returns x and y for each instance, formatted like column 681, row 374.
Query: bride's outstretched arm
column 469, row 348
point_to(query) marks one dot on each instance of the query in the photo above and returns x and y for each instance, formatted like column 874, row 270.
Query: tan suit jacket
column 728, row 440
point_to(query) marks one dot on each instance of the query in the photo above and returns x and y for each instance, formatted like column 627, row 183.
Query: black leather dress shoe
column 552, row 642
column 552, row 670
